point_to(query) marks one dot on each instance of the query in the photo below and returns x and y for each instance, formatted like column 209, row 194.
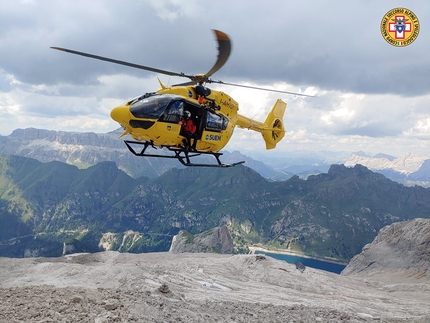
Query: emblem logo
column 213, row 138
column 400, row 27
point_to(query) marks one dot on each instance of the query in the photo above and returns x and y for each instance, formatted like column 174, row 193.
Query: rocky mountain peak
column 358, row 173
column 341, row 170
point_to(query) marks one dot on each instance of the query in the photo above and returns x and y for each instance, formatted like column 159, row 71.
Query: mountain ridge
column 331, row 215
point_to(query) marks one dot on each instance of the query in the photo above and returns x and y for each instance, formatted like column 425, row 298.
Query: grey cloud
column 332, row 45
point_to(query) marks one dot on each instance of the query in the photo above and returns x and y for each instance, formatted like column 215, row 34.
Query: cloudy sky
column 370, row 96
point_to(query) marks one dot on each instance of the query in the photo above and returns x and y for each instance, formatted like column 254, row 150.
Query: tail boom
column 272, row 129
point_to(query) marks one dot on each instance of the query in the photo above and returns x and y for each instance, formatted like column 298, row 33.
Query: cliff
column 401, row 249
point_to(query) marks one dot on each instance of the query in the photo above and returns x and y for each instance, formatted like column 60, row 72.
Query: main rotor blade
column 185, row 84
column 142, row 67
column 224, row 49
column 258, row 88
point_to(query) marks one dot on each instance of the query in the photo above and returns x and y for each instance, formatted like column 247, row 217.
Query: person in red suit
column 188, row 130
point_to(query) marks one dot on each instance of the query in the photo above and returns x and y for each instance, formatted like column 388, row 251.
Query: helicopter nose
column 120, row 114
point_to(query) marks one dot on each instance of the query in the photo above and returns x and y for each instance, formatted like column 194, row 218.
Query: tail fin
column 273, row 126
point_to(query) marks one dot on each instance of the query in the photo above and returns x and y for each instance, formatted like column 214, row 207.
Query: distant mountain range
column 46, row 208
column 88, row 149
column 411, row 168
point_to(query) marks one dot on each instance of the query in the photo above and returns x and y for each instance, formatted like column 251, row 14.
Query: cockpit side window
column 150, row 108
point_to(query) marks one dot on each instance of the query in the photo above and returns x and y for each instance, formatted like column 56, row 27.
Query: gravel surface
column 166, row 287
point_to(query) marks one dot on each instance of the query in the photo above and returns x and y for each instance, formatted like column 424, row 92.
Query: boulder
column 216, row 240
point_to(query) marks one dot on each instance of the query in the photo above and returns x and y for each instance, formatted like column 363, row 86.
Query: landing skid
column 184, row 156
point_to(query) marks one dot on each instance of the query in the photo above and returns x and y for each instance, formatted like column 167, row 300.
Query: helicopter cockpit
column 150, row 107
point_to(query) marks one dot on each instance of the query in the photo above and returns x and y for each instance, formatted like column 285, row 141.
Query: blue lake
column 308, row 262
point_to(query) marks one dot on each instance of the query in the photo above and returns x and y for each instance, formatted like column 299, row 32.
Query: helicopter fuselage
column 156, row 117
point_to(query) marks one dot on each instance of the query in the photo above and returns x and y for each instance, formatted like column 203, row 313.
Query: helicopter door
column 173, row 113
column 214, row 126
column 167, row 128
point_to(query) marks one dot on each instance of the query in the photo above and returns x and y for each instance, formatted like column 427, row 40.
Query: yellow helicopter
column 162, row 118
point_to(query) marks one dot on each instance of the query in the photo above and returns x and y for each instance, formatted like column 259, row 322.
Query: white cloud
column 172, row 10
column 421, row 130
column 341, row 115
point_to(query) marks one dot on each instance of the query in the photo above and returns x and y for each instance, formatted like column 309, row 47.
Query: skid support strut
column 184, row 156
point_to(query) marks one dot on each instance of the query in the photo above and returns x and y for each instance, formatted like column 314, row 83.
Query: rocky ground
column 167, row 287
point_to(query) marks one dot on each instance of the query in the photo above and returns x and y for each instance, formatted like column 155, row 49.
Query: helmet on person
column 187, row 114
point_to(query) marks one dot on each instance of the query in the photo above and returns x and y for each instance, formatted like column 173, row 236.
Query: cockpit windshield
column 151, row 107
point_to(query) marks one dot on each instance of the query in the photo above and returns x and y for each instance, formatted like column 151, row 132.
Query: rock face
column 402, row 248
column 217, row 240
